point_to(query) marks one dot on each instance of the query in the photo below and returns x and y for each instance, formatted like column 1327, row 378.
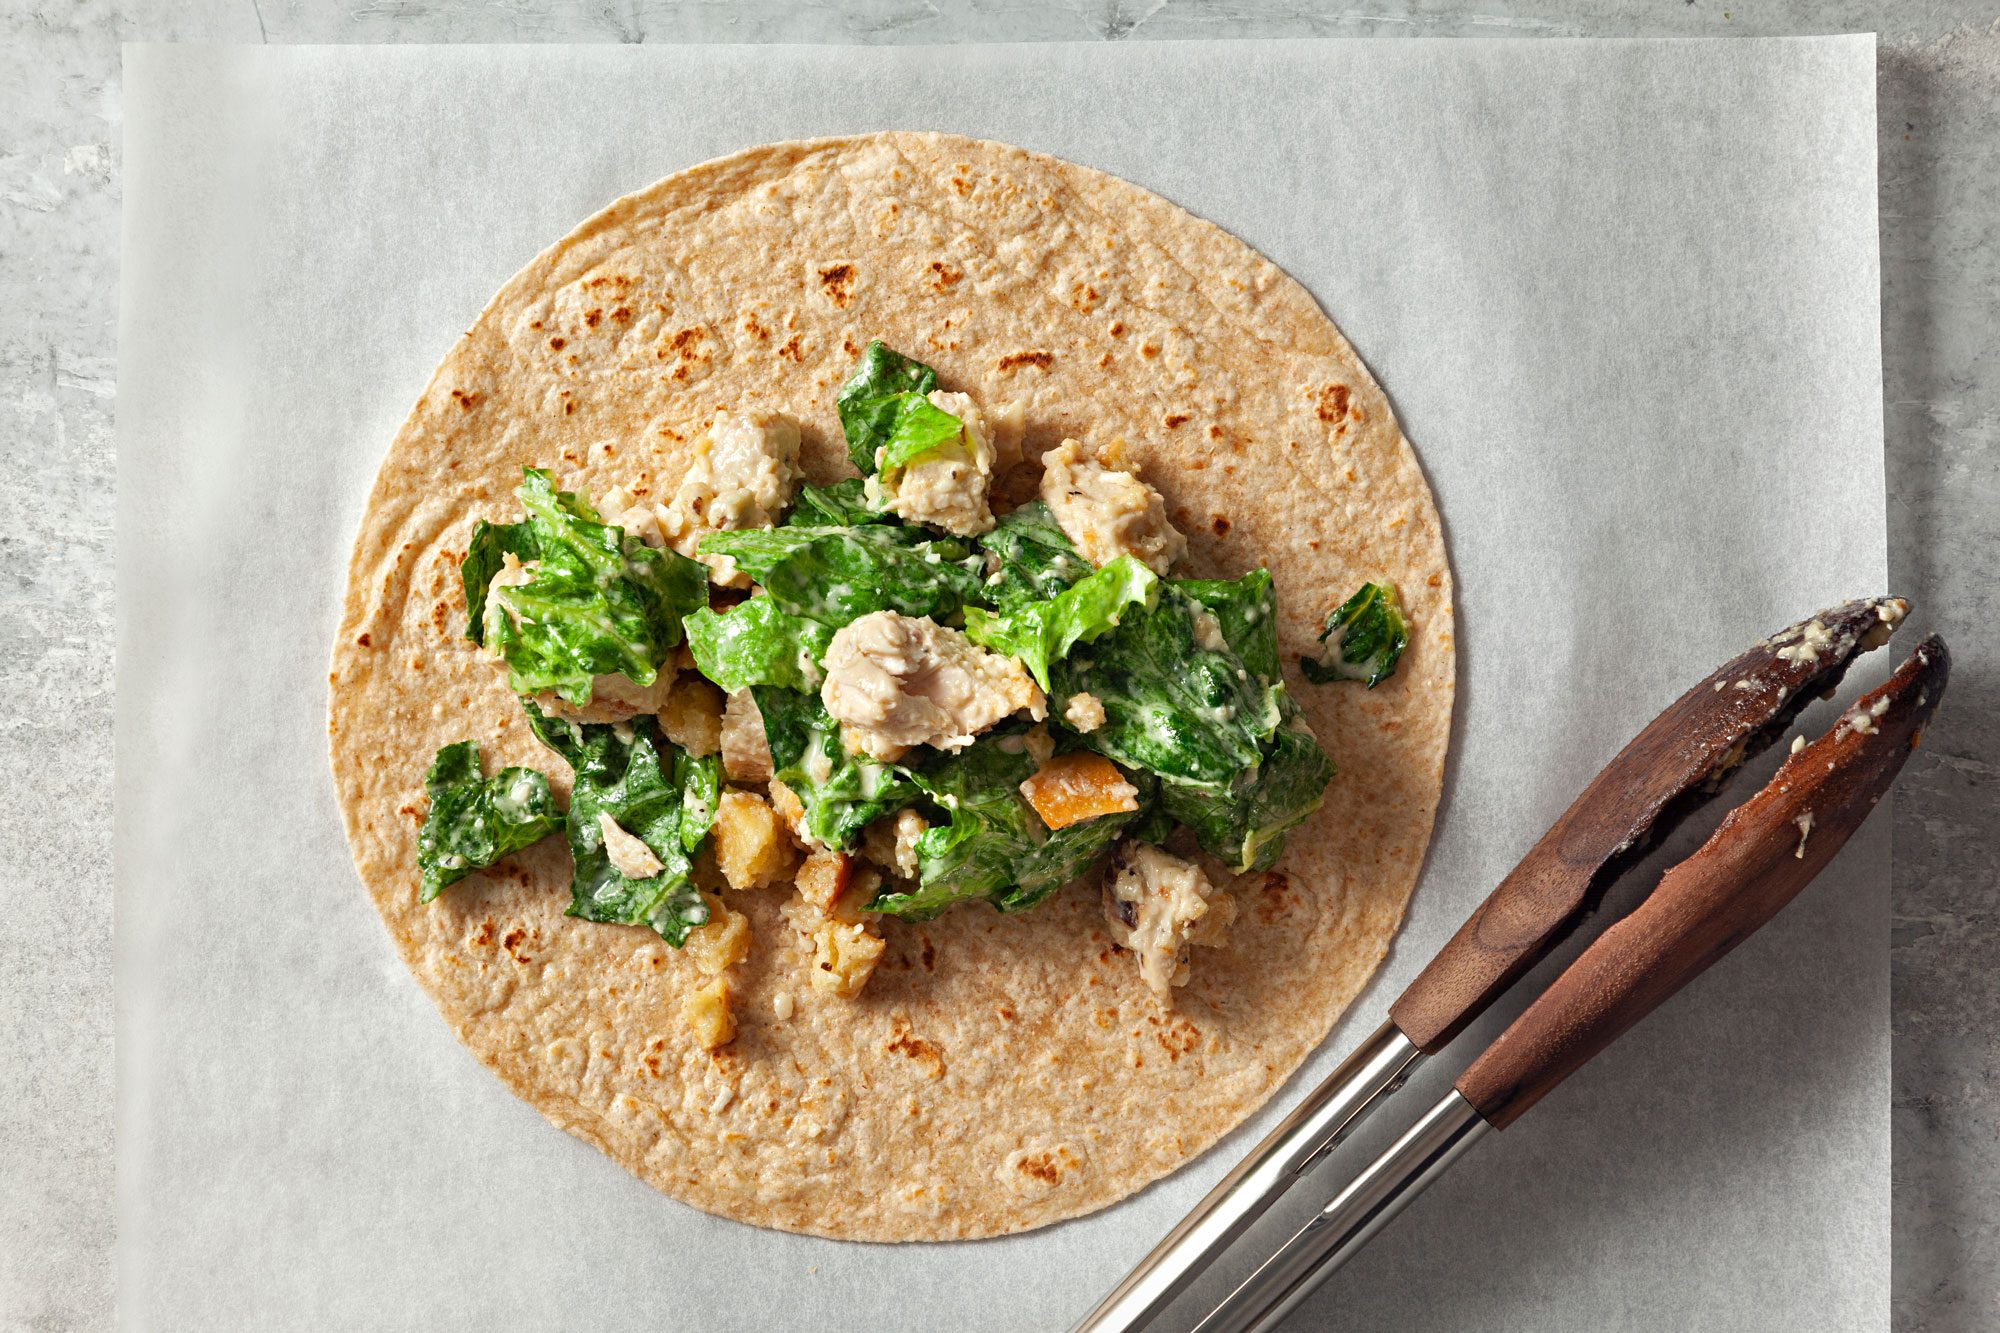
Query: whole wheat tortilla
column 998, row 1073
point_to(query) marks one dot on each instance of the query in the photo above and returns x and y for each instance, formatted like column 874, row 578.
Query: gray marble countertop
column 1939, row 114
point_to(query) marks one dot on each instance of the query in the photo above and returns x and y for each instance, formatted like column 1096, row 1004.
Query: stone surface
column 1939, row 108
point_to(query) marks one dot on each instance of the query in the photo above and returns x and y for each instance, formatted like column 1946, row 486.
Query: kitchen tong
column 1756, row 861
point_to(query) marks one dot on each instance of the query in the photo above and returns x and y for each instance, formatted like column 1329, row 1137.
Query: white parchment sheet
column 1624, row 297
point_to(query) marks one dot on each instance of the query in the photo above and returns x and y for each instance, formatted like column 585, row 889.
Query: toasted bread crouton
column 706, row 1012
column 750, row 847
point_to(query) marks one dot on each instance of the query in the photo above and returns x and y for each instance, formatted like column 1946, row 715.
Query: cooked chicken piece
column 1152, row 903
column 1108, row 513
column 746, row 754
column 629, row 855
column 894, row 681
column 946, row 486
column 745, row 471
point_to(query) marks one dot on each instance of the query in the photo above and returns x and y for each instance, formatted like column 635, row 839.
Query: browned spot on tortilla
column 558, row 343
column 1148, row 350
column 902, row 1042
column 1332, row 403
column 838, row 280
column 512, row 941
column 363, row 640
column 929, row 954
column 623, row 314
column 1086, row 298
column 1042, row 1166
column 1118, row 328
column 944, row 275
column 790, row 351
column 1015, row 360
column 1179, row 1039
column 483, row 937
column 1175, row 420
column 593, row 317
column 466, row 401
column 1432, row 581
column 1220, row 525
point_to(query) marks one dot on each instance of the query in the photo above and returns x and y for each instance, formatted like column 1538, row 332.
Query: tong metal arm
column 1669, row 770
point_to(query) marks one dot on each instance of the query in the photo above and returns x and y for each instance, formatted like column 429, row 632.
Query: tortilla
column 998, row 1073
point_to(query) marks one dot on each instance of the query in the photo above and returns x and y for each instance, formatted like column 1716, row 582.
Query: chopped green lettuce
column 484, row 557
column 653, row 790
column 1244, row 824
column 475, row 821
column 841, row 792
column 1172, row 706
column 919, row 426
column 872, row 397
column 994, row 846
column 1028, row 558
column 1042, row 632
column 756, row 643
column 598, row 602
column 841, row 505
column 1363, row 639
column 1246, row 611
column 835, row 575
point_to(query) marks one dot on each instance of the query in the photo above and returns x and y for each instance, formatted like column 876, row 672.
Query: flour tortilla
column 998, row 1073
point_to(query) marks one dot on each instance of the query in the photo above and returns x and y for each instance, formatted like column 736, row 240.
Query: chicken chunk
column 946, row 486
column 1108, row 513
column 627, row 852
column 746, row 752
column 894, row 681
column 745, row 471
column 1153, row 902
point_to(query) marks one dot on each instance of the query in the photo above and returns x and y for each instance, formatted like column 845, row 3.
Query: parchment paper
column 1624, row 296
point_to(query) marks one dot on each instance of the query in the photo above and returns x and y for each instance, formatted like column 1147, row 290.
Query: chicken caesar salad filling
column 886, row 696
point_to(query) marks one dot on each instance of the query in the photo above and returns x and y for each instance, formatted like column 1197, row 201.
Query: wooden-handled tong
column 1755, row 862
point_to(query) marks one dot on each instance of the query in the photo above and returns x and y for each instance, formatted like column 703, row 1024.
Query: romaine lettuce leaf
column 1029, row 558
column 1244, row 825
column 484, row 556
column 994, row 846
column 918, row 427
column 834, row 575
column 475, row 821
column 1172, row 707
column 1246, row 611
column 1042, row 632
column 653, row 790
column 871, row 398
column 841, row 792
column 1363, row 639
column 841, row 505
column 599, row 603
column 756, row 643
